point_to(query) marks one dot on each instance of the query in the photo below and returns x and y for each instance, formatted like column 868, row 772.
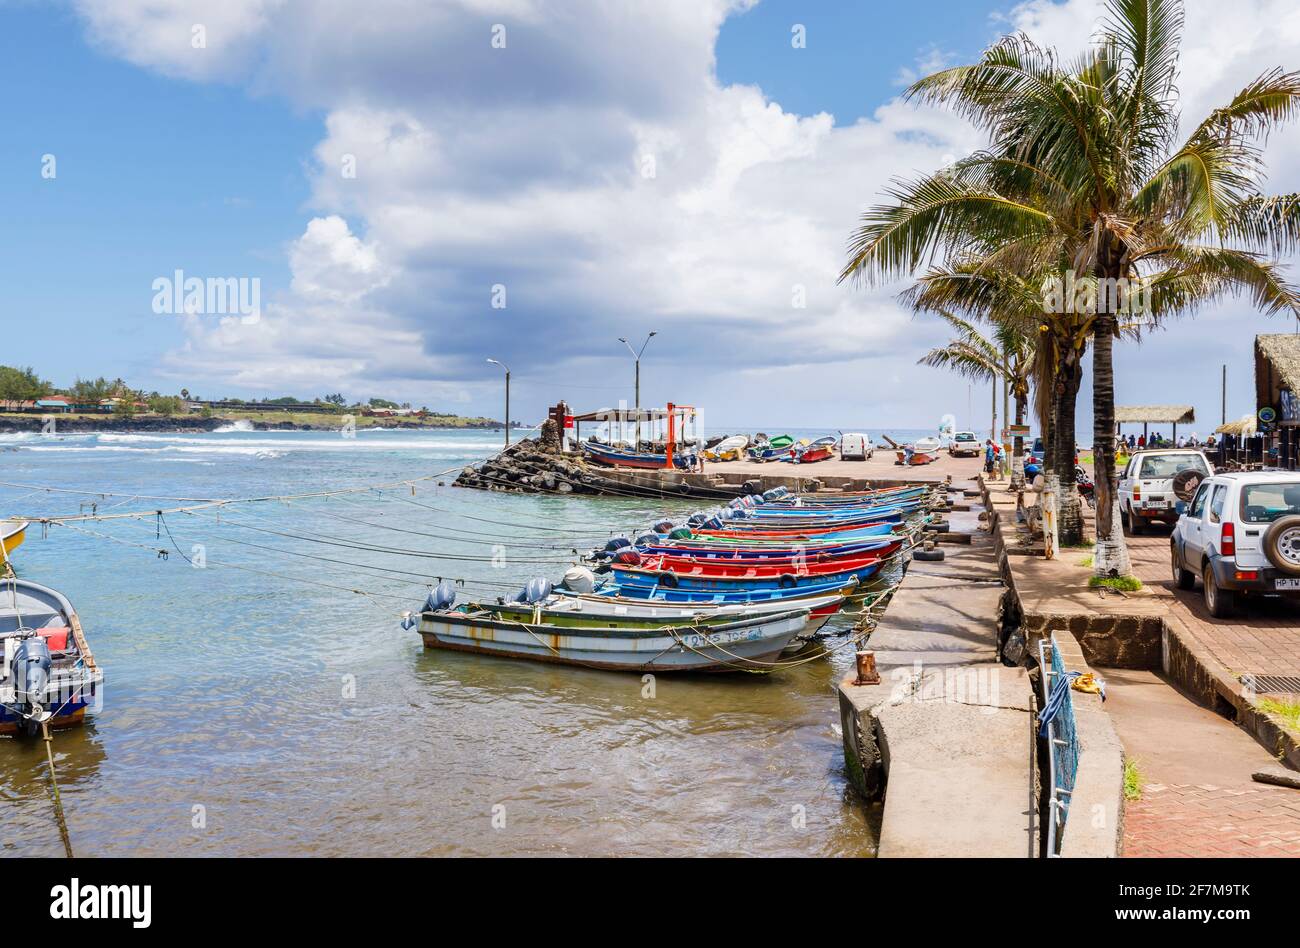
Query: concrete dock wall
column 947, row 736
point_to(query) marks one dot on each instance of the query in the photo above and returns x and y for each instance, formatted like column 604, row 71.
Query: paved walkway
column 952, row 724
column 1198, row 798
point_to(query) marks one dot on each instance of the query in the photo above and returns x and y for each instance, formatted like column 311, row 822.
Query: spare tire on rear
column 1186, row 483
column 1282, row 544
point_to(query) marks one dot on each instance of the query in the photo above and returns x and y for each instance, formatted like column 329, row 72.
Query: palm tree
column 1085, row 178
column 1008, row 356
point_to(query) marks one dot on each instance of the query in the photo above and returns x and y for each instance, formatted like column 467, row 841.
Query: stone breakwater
column 530, row 466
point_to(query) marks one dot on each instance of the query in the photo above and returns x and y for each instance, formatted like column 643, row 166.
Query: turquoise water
column 262, row 698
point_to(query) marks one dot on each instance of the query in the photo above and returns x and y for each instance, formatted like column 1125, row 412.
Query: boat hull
column 11, row 537
column 741, row 646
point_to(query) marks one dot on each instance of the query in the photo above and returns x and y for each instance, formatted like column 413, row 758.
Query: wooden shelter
column 1147, row 415
column 1277, row 388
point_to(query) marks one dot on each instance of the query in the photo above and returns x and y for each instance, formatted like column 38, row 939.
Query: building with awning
column 1277, row 395
column 1147, row 415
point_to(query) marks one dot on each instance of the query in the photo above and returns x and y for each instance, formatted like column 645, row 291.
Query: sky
column 435, row 183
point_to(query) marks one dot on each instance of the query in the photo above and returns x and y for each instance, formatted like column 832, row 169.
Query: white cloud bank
column 596, row 168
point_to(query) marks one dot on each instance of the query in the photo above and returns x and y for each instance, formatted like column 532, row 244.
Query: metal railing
column 1057, row 726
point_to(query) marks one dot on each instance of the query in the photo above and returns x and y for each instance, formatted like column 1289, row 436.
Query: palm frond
column 1272, row 99
column 933, row 215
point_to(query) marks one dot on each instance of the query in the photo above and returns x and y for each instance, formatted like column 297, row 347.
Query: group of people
column 1157, row 440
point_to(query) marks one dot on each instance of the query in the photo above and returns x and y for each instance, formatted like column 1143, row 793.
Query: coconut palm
column 1085, row 177
column 1007, row 356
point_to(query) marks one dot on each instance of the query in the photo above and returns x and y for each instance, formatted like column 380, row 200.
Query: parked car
column 964, row 444
column 856, row 447
column 1155, row 482
column 1241, row 536
column 1035, row 453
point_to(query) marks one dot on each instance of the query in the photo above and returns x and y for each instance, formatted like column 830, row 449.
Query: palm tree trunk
column 1111, row 555
column 1061, row 461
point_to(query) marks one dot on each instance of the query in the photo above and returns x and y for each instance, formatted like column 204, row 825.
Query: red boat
column 814, row 454
column 717, row 570
column 792, row 533
column 688, row 559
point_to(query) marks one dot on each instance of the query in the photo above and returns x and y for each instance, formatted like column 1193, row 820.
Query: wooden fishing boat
column 796, row 534
column 714, row 551
column 769, row 453
column 12, row 534
column 812, row 454
column 716, row 576
column 47, row 672
column 590, row 610
column 849, row 590
column 742, row 557
column 620, row 457
column 749, row 644
column 728, row 449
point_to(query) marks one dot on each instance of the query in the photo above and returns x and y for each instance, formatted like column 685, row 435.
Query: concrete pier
column 948, row 736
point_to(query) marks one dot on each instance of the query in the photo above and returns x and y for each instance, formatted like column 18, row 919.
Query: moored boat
column 12, row 534
column 620, row 457
column 47, row 671
column 748, row 644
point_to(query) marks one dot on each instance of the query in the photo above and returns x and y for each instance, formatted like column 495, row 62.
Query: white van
column 856, row 447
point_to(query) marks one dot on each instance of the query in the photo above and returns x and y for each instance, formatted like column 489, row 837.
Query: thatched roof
column 1155, row 414
column 1246, row 426
column 1283, row 351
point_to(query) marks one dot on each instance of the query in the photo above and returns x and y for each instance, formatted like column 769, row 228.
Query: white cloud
column 526, row 166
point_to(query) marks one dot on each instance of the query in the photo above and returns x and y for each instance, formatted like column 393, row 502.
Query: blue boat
column 618, row 457
column 722, row 597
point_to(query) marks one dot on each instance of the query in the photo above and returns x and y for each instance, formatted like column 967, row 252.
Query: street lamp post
column 636, row 355
column 507, row 368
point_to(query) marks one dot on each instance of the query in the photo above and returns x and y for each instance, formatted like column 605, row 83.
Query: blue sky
column 520, row 167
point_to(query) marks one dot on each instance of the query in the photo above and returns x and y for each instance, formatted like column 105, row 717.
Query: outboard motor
column 713, row 523
column 537, row 590
column 441, row 597
column 31, row 676
column 647, row 539
column 579, row 579
column 681, row 533
column 616, row 544
column 663, row 526
column 695, row 520
column 628, row 557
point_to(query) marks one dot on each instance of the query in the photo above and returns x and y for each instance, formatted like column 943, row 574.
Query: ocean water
column 262, row 698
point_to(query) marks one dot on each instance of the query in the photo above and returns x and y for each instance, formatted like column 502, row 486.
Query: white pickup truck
column 1154, row 482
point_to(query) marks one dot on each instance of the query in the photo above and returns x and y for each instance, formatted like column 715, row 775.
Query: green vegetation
column 1134, row 781
column 21, row 384
column 1086, row 561
column 1288, row 711
column 1119, row 583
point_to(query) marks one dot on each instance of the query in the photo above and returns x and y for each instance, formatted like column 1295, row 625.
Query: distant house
column 53, row 403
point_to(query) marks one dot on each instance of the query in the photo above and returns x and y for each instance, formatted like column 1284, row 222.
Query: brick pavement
column 1200, row 821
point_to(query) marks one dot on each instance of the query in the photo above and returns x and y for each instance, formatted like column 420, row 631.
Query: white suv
column 1153, row 482
column 1240, row 534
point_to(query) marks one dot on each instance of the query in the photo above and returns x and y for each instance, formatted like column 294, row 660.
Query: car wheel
column 1183, row 578
column 1135, row 525
column 1124, row 520
column 1218, row 602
